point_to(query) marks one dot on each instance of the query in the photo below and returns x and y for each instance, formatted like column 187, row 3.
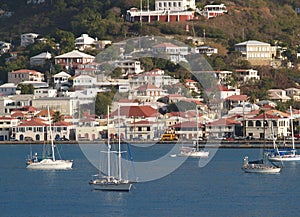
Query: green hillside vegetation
column 61, row 21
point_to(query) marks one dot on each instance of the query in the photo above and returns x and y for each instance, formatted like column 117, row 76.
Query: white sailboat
column 49, row 163
column 261, row 166
column 194, row 151
column 109, row 182
column 281, row 155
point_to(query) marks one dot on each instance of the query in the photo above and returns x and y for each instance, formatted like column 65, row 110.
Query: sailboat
column 280, row 155
column 194, row 151
column 109, row 182
column 50, row 163
column 262, row 165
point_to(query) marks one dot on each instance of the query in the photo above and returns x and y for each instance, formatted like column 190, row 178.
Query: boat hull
column 113, row 186
column 186, row 152
column 49, row 164
column 267, row 170
column 284, row 158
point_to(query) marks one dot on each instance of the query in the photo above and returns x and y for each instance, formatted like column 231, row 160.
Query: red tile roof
column 33, row 123
column 136, row 111
column 237, row 98
column 223, row 122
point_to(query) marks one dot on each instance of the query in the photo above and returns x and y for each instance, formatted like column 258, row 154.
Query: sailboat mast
column 119, row 154
column 292, row 128
column 51, row 136
column 197, row 115
column 108, row 146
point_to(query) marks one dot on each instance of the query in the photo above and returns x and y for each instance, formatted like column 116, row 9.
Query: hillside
column 255, row 19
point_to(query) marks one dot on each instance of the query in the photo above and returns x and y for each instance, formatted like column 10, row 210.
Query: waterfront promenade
column 202, row 144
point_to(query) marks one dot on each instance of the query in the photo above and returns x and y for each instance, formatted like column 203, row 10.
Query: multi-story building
column 245, row 75
column 129, row 67
column 22, row 75
column 6, row 126
column 165, row 11
column 84, row 41
column 210, row 11
column 73, row 59
column 171, row 52
column 256, row 52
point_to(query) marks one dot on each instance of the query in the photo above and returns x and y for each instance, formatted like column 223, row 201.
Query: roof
column 251, row 42
column 74, row 54
column 62, row 123
column 147, row 87
column 32, row 122
column 218, row 87
column 44, row 55
column 224, row 122
column 44, row 113
column 24, row 71
column 136, row 111
column 237, row 98
column 166, row 44
column 61, row 74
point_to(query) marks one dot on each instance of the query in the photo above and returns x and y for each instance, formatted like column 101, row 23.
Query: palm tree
column 57, row 117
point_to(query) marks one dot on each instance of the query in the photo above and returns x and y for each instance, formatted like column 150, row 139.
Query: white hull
column 49, row 164
column 262, row 169
column 188, row 152
column 285, row 158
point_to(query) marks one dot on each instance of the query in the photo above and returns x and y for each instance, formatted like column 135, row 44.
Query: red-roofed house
column 33, row 129
column 25, row 75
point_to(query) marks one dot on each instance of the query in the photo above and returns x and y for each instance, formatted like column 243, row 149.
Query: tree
column 65, row 39
column 102, row 101
column 57, row 117
column 26, row 88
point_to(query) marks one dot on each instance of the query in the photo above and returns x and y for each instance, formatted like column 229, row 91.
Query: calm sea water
column 219, row 189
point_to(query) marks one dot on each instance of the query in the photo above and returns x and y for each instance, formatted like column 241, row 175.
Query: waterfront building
column 188, row 130
column 13, row 102
column 222, row 128
column 6, row 126
column 262, row 125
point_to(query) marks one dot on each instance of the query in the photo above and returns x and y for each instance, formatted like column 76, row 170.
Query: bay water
column 220, row 188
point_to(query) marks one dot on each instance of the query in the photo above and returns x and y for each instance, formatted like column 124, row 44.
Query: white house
column 28, row 38
column 45, row 92
column 147, row 93
column 6, row 126
column 245, row 75
column 210, row 11
column 5, row 47
column 84, row 41
column 177, row 5
column 61, row 78
column 129, row 67
column 8, row 89
column 171, row 52
column 278, row 95
column 293, row 93
column 84, row 81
